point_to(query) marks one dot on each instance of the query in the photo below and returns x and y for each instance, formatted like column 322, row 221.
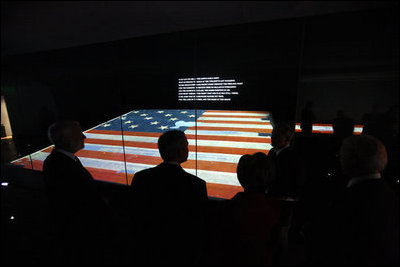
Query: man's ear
column 183, row 153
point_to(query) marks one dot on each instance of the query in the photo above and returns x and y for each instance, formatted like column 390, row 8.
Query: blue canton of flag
column 157, row 121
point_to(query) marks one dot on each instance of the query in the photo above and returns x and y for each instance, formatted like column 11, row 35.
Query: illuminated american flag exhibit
column 117, row 149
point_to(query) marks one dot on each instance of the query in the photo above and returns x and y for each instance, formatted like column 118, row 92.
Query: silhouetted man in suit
column 288, row 176
column 77, row 209
column 364, row 226
column 167, row 205
column 286, row 169
column 343, row 126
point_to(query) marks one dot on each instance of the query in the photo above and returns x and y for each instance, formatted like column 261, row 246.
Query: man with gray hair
column 365, row 225
column 76, row 207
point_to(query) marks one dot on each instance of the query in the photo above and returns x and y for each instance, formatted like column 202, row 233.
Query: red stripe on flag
column 237, row 111
column 261, row 139
column 192, row 148
column 232, row 116
column 214, row 190
column 124, row 132
column 190, row 164
column 231, row 129
column 237, row 122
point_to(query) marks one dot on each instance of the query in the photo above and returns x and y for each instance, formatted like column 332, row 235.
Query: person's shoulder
column 371, row 186
column 148, row 176
column 194, row 178
column 54, row 158
column 146, row 172
column 287, row 152
column 53, row 154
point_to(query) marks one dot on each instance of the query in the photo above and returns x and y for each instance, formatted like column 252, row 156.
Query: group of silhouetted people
column 284, row 202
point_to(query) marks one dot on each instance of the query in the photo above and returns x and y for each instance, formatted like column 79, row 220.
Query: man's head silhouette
column 362, row 155
column 67, row 135
column 173, row 146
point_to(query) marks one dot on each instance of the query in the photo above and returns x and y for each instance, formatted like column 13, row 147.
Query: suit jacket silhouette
column 70, row 187
column 167, row 206
column 77, row 210
column 288, row 173
column 364, row 226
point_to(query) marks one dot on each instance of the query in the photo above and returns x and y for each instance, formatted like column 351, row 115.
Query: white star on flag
column 173, row 119
column 127, row 122
column 191, row 116
column 160, row 111
column 106, row 124
column 148, row 118
column 168, row 115
column 136, row 111
column 155, row 122
column 183, row 112
column 133, row 126
column 163, row 127
column 143, row 115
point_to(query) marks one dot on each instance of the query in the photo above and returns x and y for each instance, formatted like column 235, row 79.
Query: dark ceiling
column 31, row 26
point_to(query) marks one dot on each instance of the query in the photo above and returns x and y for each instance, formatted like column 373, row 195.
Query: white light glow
column 12, row 218
column 4, row 184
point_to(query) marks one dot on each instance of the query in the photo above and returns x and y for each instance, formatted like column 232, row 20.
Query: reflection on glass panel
column 25, row 162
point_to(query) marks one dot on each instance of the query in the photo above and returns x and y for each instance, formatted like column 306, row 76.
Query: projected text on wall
column 207, row 89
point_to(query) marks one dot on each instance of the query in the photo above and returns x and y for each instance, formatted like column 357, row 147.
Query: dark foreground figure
column 362, row 227
column 167, row 207
column 77, row 210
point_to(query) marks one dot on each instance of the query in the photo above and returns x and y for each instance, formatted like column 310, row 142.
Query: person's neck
column 65, row 152
column 172, row 162
column 279, row 150
column 362, row 177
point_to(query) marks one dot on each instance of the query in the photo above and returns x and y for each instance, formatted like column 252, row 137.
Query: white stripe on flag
column 267, row 122
column 225, row 133
column 153, row 152
column 211, row 143
column 233, row 125
column 119, row 166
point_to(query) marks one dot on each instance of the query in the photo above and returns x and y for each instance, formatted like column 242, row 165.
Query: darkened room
column 199, row 132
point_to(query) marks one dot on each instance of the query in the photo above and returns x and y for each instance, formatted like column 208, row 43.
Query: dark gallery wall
column 350, row 62
column 343, row 61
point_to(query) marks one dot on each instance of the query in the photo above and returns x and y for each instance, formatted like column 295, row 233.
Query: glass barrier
column 118, row 148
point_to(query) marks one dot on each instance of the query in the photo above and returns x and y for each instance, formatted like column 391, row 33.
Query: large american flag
column 117, row 149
